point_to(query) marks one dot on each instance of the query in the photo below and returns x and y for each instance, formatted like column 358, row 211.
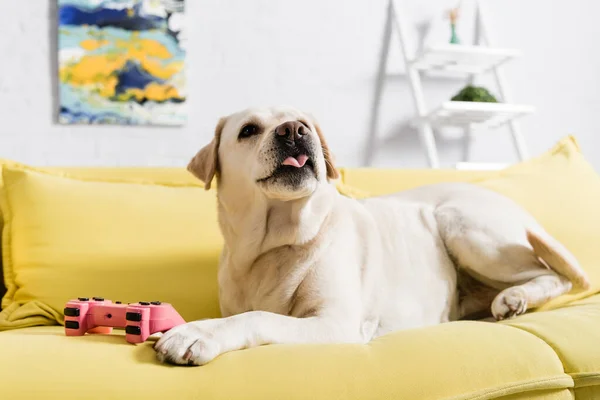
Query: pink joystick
column 140, row 320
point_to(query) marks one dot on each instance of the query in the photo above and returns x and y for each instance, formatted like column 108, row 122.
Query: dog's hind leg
column 564, row 274
column 515, row 300
column 491, row 239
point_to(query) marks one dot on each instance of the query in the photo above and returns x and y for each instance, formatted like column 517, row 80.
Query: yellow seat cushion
column 454, row 361
column 65, row 237
column 172, row 176
column 559, row 188
column 149, row 175
column 574, row 334
column 368, row 182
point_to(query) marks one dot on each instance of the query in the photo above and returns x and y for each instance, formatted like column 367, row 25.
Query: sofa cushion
column 2, row 283
column 149, row 175
column 459, row 360
column 368, row 182
column 559, row 188
column 65, row 237
column 574, row 334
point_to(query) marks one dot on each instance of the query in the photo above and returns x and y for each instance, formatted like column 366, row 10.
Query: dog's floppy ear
column 332, row 172
column 205, row 164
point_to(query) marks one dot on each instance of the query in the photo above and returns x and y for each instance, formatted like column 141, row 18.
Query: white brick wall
column 319, row 55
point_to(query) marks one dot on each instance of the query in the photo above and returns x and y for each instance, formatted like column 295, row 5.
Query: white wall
column 320, row 55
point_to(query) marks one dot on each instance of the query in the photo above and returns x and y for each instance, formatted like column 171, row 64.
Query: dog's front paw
column 509, row 303
column 189, row 344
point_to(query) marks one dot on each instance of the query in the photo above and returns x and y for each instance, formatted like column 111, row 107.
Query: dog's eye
column 248, row 130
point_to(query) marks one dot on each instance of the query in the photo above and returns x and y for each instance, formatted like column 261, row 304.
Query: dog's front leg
column 199, row 342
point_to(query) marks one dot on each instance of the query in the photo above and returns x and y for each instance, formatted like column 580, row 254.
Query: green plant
column 474, row 93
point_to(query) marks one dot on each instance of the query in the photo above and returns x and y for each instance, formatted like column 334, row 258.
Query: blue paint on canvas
column 129, row 19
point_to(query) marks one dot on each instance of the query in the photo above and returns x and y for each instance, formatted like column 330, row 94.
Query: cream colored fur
column 308, row 265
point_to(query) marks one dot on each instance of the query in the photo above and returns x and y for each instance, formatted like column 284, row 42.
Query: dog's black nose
column 290, row 131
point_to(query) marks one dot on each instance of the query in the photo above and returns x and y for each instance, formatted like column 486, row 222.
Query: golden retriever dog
column 302, row 263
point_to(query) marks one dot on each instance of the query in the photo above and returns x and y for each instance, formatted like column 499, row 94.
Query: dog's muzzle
column 291, row 132
column 291, row 138
column 294, row 149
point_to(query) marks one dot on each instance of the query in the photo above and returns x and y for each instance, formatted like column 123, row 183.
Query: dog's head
column 279, row 151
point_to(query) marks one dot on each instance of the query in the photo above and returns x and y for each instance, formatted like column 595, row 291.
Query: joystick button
column 144, row 303
column 72, row 324
column 83, row 298
column 133, row 330
column 133, row 316
column 71, row 312
column 156, row 303
column 98, row 298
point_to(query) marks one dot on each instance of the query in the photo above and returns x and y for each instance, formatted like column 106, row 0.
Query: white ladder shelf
column 466, row 61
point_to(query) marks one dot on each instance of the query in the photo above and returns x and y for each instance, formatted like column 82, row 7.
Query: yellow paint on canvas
column 109, row 88
column 153, row 92
column 92, row 69
column 137, row 48
column 93, row 44
column 98, row 71
column 158, row 92
column 163, row 72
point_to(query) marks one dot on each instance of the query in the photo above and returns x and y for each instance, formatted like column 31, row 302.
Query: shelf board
column 465, row 114
column 460, row 59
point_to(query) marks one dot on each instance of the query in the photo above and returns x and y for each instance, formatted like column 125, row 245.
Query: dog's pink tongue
column 296, row 162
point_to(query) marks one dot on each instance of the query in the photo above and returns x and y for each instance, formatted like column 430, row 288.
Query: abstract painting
column 122, row 62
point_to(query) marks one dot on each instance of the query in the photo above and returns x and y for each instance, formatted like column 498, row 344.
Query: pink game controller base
column 140, row 320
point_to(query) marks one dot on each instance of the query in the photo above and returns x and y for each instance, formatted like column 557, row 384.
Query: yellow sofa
column 151, row 233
